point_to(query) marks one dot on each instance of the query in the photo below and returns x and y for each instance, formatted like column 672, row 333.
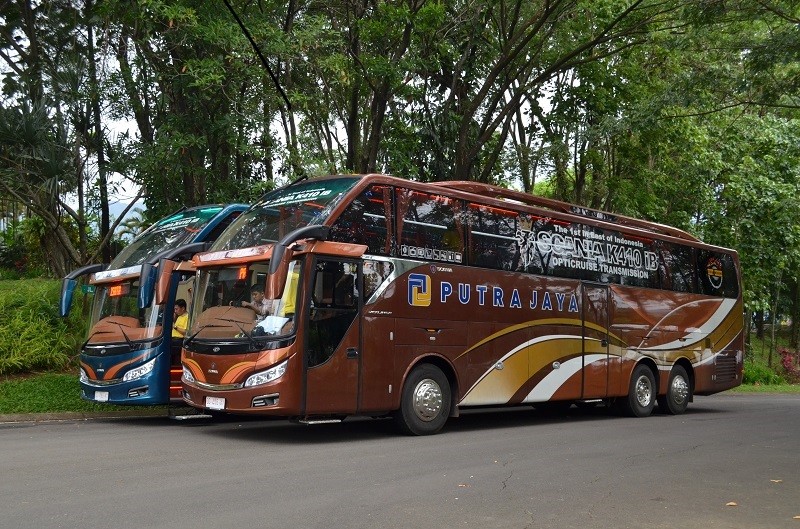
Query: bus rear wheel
column 641, row 398
column 679, row 392
column 425, row 402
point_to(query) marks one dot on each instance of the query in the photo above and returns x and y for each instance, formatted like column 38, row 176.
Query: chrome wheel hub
column 679, row 390
column 644, row 391
column 427, row 400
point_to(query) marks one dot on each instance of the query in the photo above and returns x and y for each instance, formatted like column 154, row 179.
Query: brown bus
column 384, row 296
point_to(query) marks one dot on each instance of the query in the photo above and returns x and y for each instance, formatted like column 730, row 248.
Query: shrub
column 760, row 374
column 32, row 334
column 789, row 361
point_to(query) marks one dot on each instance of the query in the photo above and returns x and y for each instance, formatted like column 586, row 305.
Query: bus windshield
column 117, row 318
column 229, row 304
column 170, row 232
column 284, row 210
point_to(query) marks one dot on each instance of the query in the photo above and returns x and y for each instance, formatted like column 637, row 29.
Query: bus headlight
column 187, row 375
column 84, row 377
column 269, row 375
column 140, row 371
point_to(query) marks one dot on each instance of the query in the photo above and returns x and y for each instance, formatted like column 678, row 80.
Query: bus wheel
column 425, row 403
column 679, row 393
column 641, row 397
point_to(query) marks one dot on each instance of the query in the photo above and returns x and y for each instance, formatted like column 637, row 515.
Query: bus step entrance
column 320, row 420
column 183, row 413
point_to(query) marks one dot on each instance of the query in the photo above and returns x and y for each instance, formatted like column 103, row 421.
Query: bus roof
column 499, row 193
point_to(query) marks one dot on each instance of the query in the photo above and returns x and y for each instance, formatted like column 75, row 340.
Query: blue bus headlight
column 84, row 377
column 269, row 375
column 140, row 371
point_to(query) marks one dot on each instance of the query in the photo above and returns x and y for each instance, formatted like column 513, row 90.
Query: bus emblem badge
column 714, row 272
column 419, row 291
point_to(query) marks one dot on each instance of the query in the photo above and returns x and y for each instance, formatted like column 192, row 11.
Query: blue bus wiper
column 122, row 329
column 95, row 333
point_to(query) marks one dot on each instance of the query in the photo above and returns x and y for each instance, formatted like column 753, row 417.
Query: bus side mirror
column 67, row 290
column 147, row 280
column 69, row 283
column 276, row 280
column 165, row 269
column 151, row 276
column 279, row 262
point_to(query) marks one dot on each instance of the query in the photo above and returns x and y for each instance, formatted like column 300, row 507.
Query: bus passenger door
column 595, row 341
column 332, row 352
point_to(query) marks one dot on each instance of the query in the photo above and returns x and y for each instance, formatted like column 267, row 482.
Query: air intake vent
column 725, row 369
column 138, row 392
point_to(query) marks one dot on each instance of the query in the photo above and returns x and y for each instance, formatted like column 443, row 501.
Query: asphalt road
column 513, row 468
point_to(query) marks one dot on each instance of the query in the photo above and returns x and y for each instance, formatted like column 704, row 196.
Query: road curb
column 83, row 416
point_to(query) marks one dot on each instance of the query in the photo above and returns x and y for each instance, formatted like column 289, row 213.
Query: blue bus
column 130, row 355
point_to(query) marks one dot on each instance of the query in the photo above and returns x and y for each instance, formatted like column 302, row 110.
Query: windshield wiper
column 249, row 336
column 188, row 339
column 95, row 333
column 122, row 329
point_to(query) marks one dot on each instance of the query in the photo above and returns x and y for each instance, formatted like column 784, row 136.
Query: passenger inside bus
column 282, row 318
column 180, row 325
column 258, row 303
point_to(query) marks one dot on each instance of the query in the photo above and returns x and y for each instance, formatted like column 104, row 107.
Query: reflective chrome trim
column 216, row 387
column 102, row 383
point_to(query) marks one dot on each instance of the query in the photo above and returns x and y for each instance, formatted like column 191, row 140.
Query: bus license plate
column 101, row 396
column 215, row 403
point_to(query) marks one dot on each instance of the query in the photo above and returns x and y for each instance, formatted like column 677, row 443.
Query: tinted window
column 366, row 221
column 334, row 306
column 493, row 242
column 678, row 267
column 219, row 228
column 430, row 226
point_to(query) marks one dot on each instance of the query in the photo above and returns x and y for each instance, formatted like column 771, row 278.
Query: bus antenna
column 260, row 55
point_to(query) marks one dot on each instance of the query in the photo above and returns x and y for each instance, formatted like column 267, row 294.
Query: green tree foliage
column 679, row 111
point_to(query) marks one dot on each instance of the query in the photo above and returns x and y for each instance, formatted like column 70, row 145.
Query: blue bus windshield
column 170, row 232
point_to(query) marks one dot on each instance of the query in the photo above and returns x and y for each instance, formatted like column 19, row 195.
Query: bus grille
column 725, row 369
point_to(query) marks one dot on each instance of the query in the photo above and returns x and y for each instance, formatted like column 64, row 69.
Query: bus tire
column 425, row 402
column 679, row 392
column 641, row 398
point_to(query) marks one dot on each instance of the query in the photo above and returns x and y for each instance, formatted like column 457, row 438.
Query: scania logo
column 103, row 351
column 215, row 349
column 213, row 368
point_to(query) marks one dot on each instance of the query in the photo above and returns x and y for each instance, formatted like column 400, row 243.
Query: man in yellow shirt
column 180, row 322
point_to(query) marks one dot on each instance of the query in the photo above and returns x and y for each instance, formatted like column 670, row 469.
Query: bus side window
column 429, row 223
column 679, row 270
column 323, row 288
column 366, row 221
column 334, row 309
column 344, row 292
column 492, row 237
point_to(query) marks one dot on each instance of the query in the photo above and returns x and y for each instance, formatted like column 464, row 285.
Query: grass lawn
column 46, row 393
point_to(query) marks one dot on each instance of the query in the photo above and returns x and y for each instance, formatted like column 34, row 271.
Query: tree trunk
column 102, row 178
